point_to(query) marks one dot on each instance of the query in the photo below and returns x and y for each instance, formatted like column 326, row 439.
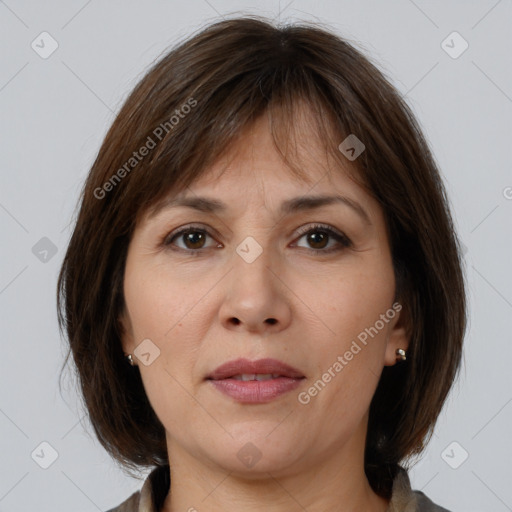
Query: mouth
column 256, row 376
column 261, row 370
column 255, row 382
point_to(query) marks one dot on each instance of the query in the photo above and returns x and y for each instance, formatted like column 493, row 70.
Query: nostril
column 271, row 321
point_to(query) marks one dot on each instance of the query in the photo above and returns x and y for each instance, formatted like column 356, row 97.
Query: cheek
column 168, row 312
column 353, row 300
column 167, row 393
column 350, row 307
column 159, row 302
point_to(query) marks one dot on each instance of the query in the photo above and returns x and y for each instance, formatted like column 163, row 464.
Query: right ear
column 126, row 332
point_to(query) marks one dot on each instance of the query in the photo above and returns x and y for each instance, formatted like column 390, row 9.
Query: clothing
column 156, row 486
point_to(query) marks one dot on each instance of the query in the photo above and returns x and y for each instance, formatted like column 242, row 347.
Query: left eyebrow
column 296, row 204
column 305, row 203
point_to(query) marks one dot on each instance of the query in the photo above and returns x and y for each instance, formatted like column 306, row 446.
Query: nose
column 256, row 299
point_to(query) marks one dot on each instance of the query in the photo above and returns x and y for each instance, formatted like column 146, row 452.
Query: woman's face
column 246, row 282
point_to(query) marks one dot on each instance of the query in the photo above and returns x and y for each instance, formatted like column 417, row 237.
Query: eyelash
column 342, row 239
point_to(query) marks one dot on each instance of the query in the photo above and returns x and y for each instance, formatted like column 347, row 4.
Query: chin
column 253, row 455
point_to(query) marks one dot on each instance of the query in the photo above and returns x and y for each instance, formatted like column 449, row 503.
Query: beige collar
column 403, row 499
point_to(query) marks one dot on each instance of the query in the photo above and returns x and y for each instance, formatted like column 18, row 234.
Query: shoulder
column 131, row 504
column 404, row 499
column 151, row 496
column 424, row 504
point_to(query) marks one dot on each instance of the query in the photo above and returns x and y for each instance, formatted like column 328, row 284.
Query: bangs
column 298, row 116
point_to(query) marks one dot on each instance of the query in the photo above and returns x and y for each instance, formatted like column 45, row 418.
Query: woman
column 263, row 293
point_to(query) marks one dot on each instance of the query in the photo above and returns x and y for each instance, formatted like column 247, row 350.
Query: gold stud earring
column 400, row 354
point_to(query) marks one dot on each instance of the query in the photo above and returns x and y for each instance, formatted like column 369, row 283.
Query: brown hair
column 186, row 111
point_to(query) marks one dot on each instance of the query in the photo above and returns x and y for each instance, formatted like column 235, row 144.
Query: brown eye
column 189, row 239
column 193, row 239
column 318, row 237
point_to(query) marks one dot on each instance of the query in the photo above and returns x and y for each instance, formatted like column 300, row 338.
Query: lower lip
column 256, row 391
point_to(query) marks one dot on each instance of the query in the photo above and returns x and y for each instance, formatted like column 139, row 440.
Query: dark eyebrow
column 310, row 202
column 297, row 204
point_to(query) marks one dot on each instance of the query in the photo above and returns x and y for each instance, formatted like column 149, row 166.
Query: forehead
column 253, row 163
column 276, row 157
column 253, row 172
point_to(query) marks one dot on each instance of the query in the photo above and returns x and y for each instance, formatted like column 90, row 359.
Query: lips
column 255, row 382
column 262, row 369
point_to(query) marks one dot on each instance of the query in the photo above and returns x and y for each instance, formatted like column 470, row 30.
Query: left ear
column 399, row 334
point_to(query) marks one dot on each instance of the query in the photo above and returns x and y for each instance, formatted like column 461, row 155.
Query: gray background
column 54, row 113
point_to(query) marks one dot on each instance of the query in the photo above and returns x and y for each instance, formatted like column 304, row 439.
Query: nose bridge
column 253, row 260
column 255, row 298
column 254, row 229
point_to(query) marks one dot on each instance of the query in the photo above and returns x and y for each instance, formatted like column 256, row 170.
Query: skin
column 203, row 310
